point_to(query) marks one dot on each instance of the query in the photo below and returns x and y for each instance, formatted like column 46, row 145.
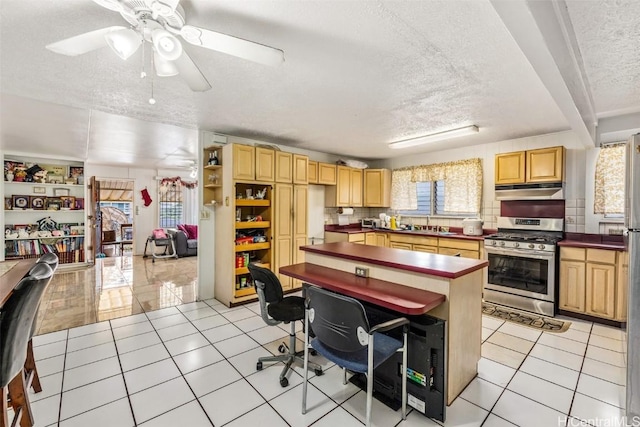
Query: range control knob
column 501, row 243
column 516, row 245
column 493, row 243
column 541, row 247
column 531, row 246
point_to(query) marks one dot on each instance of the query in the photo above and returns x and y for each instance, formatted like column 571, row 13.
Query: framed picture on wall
column 67, row 202
column 61, row 192
column 53, row 204
column 7, row 203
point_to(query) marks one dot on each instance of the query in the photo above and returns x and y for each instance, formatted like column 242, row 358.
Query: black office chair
column 343, row 335
column 30, row 368
column 16, row 320
column 275, row 308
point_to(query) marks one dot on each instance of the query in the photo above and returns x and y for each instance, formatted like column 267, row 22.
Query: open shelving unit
column 212, row 177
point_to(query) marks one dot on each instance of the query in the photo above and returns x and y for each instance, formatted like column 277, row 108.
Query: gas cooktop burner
column 522, row 237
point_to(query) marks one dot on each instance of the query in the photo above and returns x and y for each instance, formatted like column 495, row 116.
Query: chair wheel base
column 284, row 382
column 282, row 348
column 318, row 372
column 259, row 366
column 313, row 352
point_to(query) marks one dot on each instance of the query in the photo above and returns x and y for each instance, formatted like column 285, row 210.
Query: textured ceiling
column 357, row 75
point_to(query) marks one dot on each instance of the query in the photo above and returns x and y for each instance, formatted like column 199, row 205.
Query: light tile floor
column 194, row 365
column 115, row 287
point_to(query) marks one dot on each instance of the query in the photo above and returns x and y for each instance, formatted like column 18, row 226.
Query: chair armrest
column 388, row 325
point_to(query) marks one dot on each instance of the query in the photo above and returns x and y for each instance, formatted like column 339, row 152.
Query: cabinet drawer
column 601, row 255
column 397, row 245
column 423, row 248
column 578, row 254
column 459, row 244
column 414, row 240
column 356, row 238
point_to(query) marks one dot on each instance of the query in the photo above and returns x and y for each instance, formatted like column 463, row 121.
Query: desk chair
column 15, row 325
column 275, row 309
column 343, row 335
column 30, row 369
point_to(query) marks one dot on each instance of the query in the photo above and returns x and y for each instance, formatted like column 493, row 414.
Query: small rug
column 524, row 318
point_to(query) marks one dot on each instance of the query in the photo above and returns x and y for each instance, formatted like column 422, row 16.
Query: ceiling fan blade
column 230, row 45
column 82, row 43
column 191, row 74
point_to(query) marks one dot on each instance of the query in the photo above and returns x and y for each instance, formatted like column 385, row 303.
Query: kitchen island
column 459, row 279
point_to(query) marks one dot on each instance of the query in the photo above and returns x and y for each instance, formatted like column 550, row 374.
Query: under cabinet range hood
column 538, row 191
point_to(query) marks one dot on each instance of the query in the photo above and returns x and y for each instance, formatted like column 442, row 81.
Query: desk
column 393, row 296
column 12, row 276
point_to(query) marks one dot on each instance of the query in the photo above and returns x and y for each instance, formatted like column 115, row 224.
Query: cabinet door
column 356, row 188
column 265, row 164
column 326, row 174
column 370, row 239
column 572, row 286
column 377, row 187
column 283, row 231
column 382, row 240
column 300, row 200
column 300, row 169
column 622, row 286
column 545, row 165
column 343, row 190
column 243, row 162
column 312, row 171
column 284, row 167
column 601, row 290
column 510, row 168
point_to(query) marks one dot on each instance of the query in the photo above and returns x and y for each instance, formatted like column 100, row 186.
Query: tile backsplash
column 574, row 216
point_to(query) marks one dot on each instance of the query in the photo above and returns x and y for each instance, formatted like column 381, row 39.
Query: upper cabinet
column 377, row 188
column 300, row 169
column 312, row 172
column 244, row 163
column 348, row 189
column 533, row 166
column 327, row 173
column 265, row 164
column 284, row 167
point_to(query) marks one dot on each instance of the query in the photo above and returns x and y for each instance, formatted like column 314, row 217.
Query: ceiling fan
column 159, row 22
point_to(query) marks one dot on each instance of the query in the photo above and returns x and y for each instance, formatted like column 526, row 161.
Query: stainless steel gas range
column 523, row 263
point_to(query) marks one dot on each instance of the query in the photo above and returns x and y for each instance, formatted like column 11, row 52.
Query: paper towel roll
column 345, row 211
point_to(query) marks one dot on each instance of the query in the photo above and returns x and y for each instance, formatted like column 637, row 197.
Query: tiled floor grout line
column 126, row 388
column 64, row 363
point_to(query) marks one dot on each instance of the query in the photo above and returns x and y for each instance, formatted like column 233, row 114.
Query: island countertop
column 420, row 262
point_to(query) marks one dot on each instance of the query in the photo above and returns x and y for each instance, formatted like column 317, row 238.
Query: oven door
column 521, row 272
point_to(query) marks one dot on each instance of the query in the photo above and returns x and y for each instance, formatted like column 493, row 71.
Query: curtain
column 189, row 205
column 609, row 180
column 403, row 190
column 462, row 179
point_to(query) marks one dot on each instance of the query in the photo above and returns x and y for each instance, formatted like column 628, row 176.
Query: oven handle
column 525, row 253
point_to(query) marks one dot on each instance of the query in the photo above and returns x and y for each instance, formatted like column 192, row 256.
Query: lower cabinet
column 592, row 281
column 332, row 236
column 437, row 245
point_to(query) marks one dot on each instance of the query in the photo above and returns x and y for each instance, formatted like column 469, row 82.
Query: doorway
column 113, row 205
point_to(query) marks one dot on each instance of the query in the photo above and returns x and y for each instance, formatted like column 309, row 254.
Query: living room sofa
column 185, row 246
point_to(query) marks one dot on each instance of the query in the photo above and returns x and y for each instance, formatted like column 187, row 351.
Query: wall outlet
column 362, row 272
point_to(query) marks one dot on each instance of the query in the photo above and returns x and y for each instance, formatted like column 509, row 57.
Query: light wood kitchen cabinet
column 623, row 286
column 377, row 188
column 333, row 236
column 327, row 173
column 284, row 167
column 300, row 169
column 466, row 248
column 244, row 162
column 376, row 239
column 312, row 172
column 370, row 239
column 348, row 190
column 265, row 164
column 423, row 248
column 510, row 168
column 591, row 282
column 290, row 229
column 400, row 245
column 532, row 166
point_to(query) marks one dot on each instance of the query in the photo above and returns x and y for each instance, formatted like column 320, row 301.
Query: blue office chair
column 343, row 335
column 275, row 308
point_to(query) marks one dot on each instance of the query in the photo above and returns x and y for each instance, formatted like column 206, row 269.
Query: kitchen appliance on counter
column 369, row 222
column 632, row 243
column 523, row 263
column 472, row 226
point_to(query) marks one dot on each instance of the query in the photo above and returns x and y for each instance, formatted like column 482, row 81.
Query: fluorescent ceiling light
column 447, row 134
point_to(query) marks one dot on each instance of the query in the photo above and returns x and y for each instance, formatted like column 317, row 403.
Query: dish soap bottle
column 393, row 225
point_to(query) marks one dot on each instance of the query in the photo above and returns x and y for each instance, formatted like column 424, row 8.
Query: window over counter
column 610, row 181
column 447, row 189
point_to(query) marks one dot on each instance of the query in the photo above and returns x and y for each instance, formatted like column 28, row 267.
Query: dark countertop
column 352, row 229
column 420, row 262
column 593, row 241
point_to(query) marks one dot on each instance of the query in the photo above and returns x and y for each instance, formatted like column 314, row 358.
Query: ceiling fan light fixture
column 438, row 136
column 163, row 67
column 166, row 44
column 124, row 42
